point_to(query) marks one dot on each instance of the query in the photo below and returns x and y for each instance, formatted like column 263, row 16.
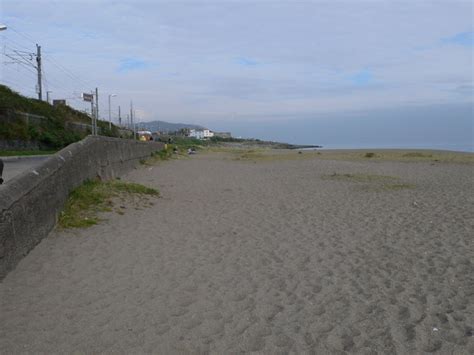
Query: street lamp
column 3, row 27
column 110, row 119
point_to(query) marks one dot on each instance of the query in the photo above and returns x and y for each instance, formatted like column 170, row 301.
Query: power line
column 28, row 68
column 47, row 80
column 23, row 62
column 6, row 38
column 65, row 70
column 23, row 35
column 52, row 61
column 23, row 59
column 52, row 80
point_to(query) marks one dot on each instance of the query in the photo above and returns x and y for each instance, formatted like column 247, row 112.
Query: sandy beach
column 270, row 256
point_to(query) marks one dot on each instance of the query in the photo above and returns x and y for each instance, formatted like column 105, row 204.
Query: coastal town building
column 201, row 133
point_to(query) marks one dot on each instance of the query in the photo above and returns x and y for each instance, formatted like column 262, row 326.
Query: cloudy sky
column 218, row 62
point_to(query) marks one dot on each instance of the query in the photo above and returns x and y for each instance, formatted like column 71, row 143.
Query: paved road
column 15, row 166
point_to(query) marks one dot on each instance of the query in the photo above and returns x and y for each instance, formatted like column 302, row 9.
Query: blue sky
column 260, row 61
column 132, row 64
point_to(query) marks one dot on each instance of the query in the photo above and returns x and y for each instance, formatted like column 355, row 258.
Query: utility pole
column 110, row 113
column 92, row 114
column 131, row 118
column 96, row 109
column 26, row 59
column 120, row 118
column 92, row 119
column 38, row 68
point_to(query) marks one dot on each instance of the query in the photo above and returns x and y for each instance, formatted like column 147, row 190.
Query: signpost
column 90, row 98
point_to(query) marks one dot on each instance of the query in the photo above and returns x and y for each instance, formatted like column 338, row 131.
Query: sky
column 238, row 64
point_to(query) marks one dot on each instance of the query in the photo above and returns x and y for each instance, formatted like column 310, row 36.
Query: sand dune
column 271, row 257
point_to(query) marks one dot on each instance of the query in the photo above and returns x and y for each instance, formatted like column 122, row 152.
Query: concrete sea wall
column 31, row 202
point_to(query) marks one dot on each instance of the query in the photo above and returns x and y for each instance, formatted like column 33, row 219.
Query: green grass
column 184, row 143
column 92, row 197
column 360, row 177
column 53, row 131
column 251, row 154
column 417, row 155
column 132, row 188
column 270, row 155
column 371, row 182
column 13, row 153
column 164, row 154
column 398, row 155
column 160, row 155
column 168, row 153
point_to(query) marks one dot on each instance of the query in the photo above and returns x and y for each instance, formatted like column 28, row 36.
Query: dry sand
column 271, row 257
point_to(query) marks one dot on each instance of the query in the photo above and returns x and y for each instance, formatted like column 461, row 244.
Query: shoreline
column 282, row 145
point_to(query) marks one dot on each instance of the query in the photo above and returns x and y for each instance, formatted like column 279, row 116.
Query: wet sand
column 270, row 257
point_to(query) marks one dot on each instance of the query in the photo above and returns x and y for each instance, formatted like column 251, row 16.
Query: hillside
column 12, row 100
column 55, row 128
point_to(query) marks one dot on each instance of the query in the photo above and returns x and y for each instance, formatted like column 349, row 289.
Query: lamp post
column 2, row 28
column 110, row 117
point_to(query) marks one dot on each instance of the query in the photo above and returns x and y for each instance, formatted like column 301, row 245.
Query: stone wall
column 17, row 144
column 31, row 202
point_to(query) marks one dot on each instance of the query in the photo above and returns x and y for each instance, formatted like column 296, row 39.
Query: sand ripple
column 267, row 257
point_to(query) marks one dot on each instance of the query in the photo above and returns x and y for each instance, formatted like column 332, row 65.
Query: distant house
column 208, row 133
column 200, row 133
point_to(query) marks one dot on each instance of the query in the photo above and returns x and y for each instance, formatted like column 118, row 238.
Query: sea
column 437, row 127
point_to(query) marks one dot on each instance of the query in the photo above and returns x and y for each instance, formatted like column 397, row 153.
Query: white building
column 208, row 133
column 201, row 133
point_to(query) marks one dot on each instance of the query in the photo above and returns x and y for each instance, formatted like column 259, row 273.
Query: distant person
column 1, row 171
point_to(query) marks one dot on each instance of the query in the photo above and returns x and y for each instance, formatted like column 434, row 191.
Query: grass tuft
column 417, row 155
column 371, row 182
column 360, row 177
column 94, row 196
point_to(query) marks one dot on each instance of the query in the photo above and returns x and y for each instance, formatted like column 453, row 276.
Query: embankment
column 30, row 203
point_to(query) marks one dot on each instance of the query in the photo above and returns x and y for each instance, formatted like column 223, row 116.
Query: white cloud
column 305, row 51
